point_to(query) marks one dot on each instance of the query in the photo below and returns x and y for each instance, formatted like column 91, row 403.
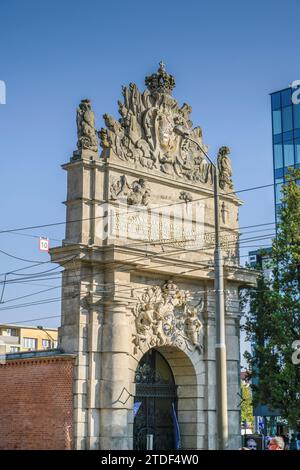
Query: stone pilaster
column 116, row 386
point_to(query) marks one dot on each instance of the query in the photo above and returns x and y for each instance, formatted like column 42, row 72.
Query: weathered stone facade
column 138, row 273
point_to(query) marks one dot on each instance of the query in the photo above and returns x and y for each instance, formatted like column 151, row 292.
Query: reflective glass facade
column 286, row 138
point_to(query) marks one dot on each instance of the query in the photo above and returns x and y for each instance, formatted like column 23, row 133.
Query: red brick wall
column 36, row 403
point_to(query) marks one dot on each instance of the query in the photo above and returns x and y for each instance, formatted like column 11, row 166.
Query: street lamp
column 39, row 327
column 220, row 346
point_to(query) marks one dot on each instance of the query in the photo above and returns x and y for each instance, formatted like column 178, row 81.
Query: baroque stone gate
column 138, row 267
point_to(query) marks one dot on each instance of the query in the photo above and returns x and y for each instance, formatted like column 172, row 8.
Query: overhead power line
column 22, row 259
column 48, row 274
column 33, row 319
column 30, row 227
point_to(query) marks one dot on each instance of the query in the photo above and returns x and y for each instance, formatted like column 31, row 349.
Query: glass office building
column 286, row 138
column 286, row 153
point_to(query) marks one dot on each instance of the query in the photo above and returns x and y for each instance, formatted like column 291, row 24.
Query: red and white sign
column 44, row 244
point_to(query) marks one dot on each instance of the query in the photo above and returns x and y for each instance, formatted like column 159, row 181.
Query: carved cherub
column 144, row 322
column 147, row 315
column 158, row 324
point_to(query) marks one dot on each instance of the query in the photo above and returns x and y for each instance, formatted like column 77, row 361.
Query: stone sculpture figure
column 225, row 170
column 86, row 132
column 115, row 133
column 192, row 325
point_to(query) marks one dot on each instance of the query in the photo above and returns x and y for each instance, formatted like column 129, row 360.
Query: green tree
column 246, row 406
column 273, row 321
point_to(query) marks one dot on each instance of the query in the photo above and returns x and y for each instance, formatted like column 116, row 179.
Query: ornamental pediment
column 156, row 134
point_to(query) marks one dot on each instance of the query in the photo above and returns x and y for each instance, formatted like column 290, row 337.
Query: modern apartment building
column 18, row 338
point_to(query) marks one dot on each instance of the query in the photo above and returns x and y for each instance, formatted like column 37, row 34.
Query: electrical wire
column 252, row 188
column 155, row 255
column 30, row 295
column 21, row 259
column 32, row 319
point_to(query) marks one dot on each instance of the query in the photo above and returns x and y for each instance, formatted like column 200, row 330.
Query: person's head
column 276, row 443
column 252, row 444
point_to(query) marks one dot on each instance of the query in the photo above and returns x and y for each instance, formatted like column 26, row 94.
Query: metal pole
column 220, row 346
column 149, row 441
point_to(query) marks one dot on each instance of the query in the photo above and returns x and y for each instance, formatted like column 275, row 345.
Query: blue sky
column 226, row 58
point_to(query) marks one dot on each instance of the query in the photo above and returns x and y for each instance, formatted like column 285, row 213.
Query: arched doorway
column 155, row 404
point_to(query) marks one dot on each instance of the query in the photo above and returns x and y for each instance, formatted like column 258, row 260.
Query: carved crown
column 160, row 82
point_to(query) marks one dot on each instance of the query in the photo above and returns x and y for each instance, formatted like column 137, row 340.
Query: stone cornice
column 107, row 163
column 113, row 256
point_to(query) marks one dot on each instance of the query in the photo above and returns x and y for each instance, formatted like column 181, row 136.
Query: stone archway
column 189, row 402
column 186, row 399
column 155, row 405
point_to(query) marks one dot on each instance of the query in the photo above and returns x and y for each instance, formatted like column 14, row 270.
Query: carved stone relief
column 165, row 316
column 136, row 193
column 146, row 136
column 185, row 196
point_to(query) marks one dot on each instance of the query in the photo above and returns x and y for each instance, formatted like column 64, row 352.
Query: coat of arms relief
column 147, row 134
column 167, row 316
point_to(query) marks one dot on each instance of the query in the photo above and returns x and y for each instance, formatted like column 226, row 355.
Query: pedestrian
column 251, row 444
column 286, row 439
column 276, row 443
column 293, row 443
column 267, row 441
column 298, row 440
